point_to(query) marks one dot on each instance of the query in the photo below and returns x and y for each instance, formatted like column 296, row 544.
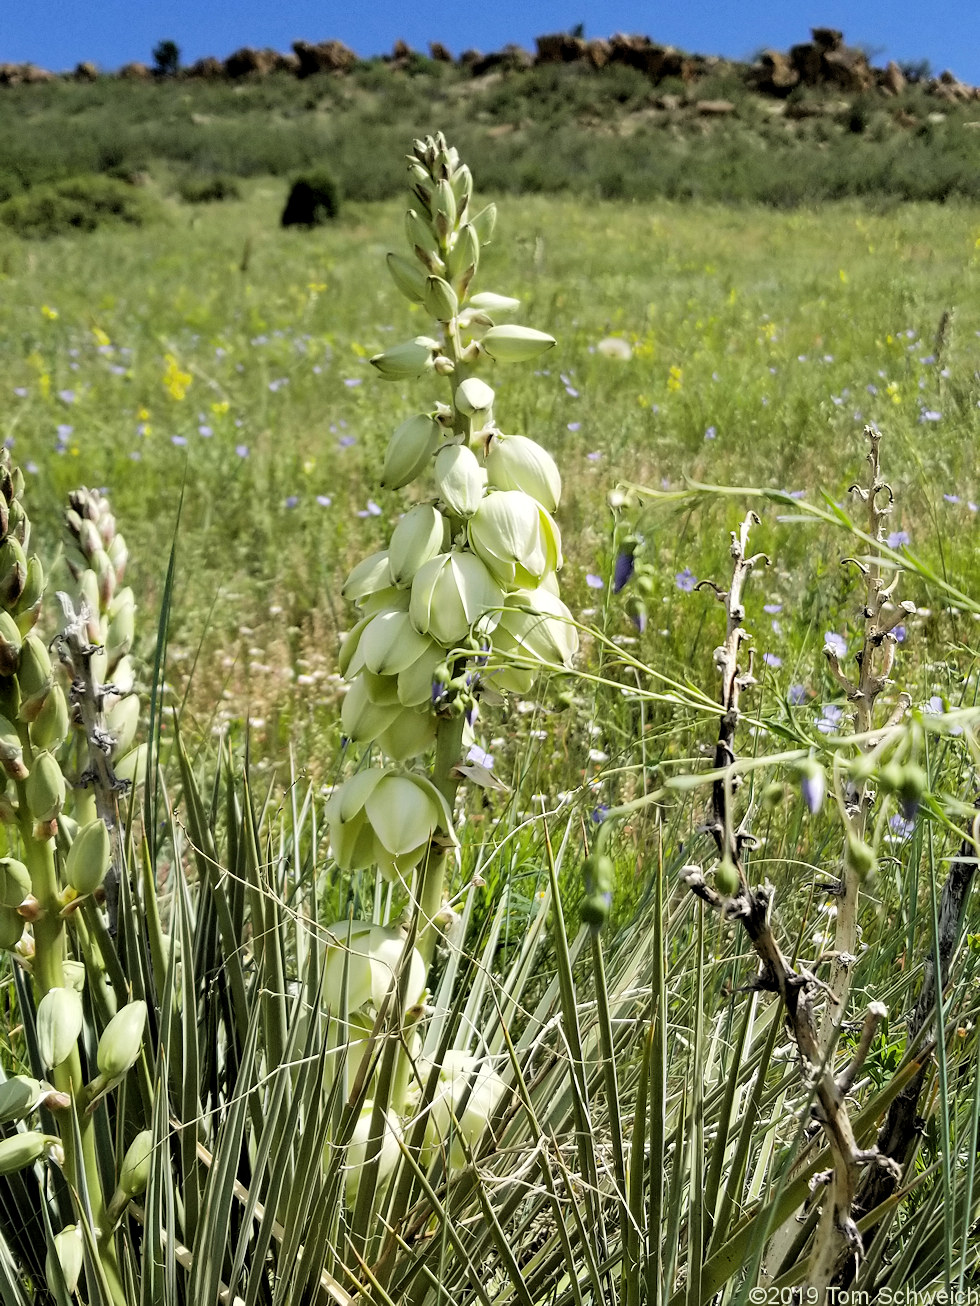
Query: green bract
column 519, row 542
column 451, row 594
column 387, row 819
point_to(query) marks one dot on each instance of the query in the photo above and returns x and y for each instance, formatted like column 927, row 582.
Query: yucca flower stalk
column 477, row 556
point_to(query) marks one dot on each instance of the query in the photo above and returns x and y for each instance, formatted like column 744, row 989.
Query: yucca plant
column 271, row 1050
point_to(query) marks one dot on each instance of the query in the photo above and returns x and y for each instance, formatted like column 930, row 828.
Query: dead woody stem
column 797, row 988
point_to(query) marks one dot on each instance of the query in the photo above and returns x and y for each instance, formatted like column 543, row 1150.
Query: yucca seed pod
column 19, row 1096
column 69, row 1253
column 49, row 729
column 22, row 1149
column 45, row 788
column 88, row 858
column 11, row 928
column 460, row 480
column 59, row 1023
column 10, row 642
column 411, row 446
column 516, row 463
column 420, row 535
column 859, row 857
column 134, row 1173
column 515, row 344
column 11, row 750
column 121, row 1040
column 407, row 362
column 408, row 277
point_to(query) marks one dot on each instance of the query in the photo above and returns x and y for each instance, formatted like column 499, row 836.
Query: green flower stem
column 449, row 745
column 49, row 954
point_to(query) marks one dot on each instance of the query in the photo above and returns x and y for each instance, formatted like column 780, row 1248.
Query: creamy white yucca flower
column 386, row 818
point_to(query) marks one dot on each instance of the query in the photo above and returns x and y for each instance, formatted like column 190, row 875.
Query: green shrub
column 79, row 204
column 314, row 199
column 208, row 190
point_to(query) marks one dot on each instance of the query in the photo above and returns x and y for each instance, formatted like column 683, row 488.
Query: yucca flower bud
column 15, row 882
column 484, row 223
column 49, row 729
column 23, row 1149
column 474, row 398
column 68, row 1252
column 11, row 750
column 33, row 676
column 408, row 277
column 424, row 243
column 515, row 344
column 59, row 1023
column 372, row 955
column 409, row 450
column 534, row 624
column 121, row 624
column 13, row 571
column 420, row 535
column 440, row 299
column 371, row 574
column 386, row 819
column 407, row 362
column 599, row 877
column 519, row 542
column 88, row 858
column 460, row 480
column 28, row 607
column 45, row 788
column 467, row 1095
column 122, row 720
column 10, row 642
column 450, row 594
column 134, row 1173
column 443, row 210
column 516, row 463
column 487, row 302
column 357, row 1151
column 859, row 857
column 121, row 1040
column 463, row 257
column 19, row 1095
column 727, row 880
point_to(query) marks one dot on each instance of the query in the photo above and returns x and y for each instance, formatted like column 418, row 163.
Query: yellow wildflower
column 101, row 339
column 49, row 313
column 675, row 379
column 175, row 382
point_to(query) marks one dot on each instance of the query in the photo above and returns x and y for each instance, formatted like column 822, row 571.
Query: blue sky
column 57, row 34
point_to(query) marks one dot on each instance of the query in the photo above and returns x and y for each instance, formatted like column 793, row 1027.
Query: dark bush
column 313, row 201
column 79, row 204
column 208, row 190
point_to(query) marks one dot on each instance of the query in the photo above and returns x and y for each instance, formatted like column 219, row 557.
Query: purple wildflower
column 797, row 694
column 594, row 582
column 836, row 643
column 241, row 450
column 623, row 570
column 324, row 500
column 829, row 723
column 772, row 660
column 686, row 580
column 897, row 538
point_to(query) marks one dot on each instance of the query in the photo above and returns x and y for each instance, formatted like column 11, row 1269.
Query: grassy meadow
column 213, row 368
column 220, row 363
